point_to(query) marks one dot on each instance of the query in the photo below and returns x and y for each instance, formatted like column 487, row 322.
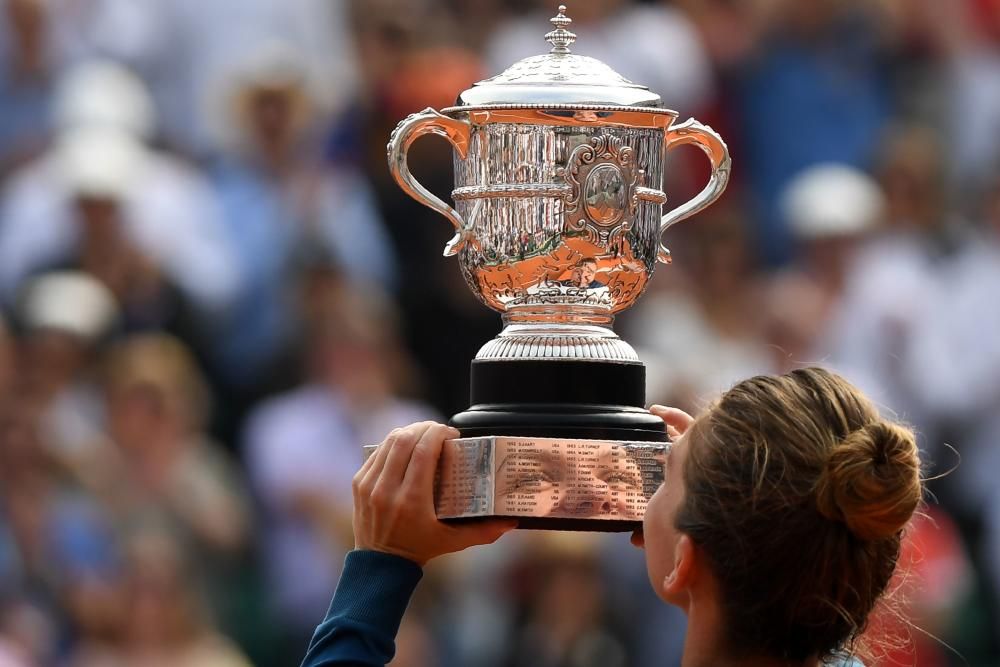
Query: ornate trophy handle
column 409, row 130
column 693, row 132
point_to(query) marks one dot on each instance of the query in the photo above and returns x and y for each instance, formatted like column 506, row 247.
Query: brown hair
column 162, row 363
column 798, row 492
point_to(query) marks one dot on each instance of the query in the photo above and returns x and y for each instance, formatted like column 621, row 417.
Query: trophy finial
column 560, row 38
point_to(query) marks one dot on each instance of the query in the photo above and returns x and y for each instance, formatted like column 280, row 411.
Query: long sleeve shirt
column 374, row 590
column 360, row 628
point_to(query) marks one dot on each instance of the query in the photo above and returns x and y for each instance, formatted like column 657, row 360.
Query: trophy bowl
column 559, row 165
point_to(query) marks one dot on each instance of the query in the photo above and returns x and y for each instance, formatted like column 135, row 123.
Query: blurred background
column 212, row 293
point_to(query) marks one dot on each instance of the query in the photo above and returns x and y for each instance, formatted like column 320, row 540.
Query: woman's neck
column 705, row 646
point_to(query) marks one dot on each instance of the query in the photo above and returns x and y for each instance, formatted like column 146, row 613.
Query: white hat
column 271, row 64
column 100, row 162
column 830, row 200
column 69, row 301
column 102, row 93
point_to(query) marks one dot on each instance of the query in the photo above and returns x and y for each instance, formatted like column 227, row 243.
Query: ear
column 677, row 583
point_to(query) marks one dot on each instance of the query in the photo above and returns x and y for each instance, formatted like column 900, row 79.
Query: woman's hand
column 394, row 499
column 677, row 421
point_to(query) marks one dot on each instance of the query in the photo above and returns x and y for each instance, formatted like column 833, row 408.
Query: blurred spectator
column 163, row 471
column 729, row 31
column 968, row 34
column 914, row 176
column 57, row 536
column 892, row 289
column 39, row 39
column 139, row 219
column 163, row 621
column 959, row 351
column 280, row 204
column 64, row 318
column 189, row 57
column 25, row 80
column 408, row 69
column 562, row 617
column 176, row 47
column 392, row 35
column 302, row 448
column 954, row 372
column 814, row 91
column 702, row 333
column 157, row 406
column 831, row 209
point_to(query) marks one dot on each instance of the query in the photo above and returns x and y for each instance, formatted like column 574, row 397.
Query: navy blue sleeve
column 360, row 628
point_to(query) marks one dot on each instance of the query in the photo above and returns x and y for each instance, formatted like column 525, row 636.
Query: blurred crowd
column 212, row 294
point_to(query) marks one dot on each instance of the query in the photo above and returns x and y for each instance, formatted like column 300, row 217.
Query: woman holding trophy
column 778, row 523
column 777, row 529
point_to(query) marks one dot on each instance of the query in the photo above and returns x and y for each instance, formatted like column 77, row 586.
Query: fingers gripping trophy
column 558, row 216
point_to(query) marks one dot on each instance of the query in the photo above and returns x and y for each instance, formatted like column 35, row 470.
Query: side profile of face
column 665, row 546
column 842, row 483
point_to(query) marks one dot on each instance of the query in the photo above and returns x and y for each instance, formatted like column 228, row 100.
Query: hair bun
column 872, row 481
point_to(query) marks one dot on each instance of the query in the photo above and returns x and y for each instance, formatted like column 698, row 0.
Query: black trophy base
column 570, row 400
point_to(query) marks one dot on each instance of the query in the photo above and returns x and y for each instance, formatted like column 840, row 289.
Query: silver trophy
column 559, row 165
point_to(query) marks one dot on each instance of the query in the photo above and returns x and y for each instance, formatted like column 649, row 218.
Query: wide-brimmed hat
column 100, row 162
column 832, row 200
column 104, row 94
column 274, row 66
column 70, row 302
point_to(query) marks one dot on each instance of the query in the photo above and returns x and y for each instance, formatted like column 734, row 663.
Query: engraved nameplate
column 551, row 478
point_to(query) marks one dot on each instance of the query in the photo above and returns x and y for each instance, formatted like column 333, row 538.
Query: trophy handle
column 693, row 132
column 409, row 130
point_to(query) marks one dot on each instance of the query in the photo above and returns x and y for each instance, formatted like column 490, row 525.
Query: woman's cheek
column 658, row 537
column 651, row 509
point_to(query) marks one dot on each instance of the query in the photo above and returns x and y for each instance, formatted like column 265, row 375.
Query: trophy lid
column 559, row 77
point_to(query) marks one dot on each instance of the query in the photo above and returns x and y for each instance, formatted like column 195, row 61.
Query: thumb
column 678, row 419
column 494, row 530
column 485, row 532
